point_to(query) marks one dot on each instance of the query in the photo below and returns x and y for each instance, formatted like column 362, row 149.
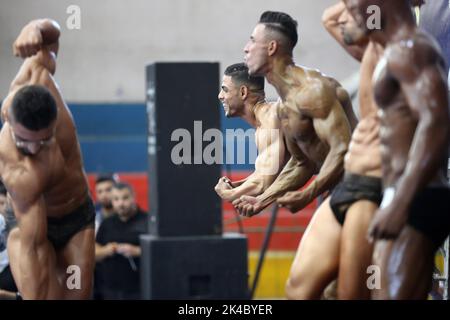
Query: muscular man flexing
column 41, row 167
column 315, row 112
column 243, row 96
column 317, row 120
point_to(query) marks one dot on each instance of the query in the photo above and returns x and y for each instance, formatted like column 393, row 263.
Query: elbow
column 327, row 24
column 51, row 24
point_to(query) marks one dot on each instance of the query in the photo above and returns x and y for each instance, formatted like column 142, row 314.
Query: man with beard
column 42, row 168
column 355, row 200
column 103, row 192
column 243, row 96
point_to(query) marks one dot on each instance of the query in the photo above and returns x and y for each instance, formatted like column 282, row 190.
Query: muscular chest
column 386, row 88
column 295, row 124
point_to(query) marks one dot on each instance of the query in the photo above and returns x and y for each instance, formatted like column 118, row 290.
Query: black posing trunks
column 351, row 189
column 430, row 213
column 61, row 230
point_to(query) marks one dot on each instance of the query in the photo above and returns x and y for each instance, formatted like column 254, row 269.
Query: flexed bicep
column 334, row 130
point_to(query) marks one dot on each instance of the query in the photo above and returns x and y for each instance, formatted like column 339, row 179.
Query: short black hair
column 104, row 177
column 123, row 185
column 281, row 22
column 239, row 74
column 34, row 107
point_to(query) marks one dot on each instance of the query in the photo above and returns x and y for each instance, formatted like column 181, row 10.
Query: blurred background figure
column 8, row 287
column 118, row 251
column 103, row 188
column 103, row 209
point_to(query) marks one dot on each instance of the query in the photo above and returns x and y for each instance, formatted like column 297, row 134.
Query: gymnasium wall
column 104, row 60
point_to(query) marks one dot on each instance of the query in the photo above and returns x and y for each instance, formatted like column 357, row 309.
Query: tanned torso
column 363, row 156
column 398, row 120
column 312, row 96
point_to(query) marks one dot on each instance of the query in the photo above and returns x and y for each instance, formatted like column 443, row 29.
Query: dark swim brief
column 430, row 213
column 352, row 189
column 61, row 230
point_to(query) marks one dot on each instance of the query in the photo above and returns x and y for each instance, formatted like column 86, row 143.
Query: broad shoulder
column 406, row 59
column 267, row 115
column 317, row 94
column 23, row 176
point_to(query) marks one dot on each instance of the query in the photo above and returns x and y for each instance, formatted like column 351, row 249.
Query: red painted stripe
column 289, row 225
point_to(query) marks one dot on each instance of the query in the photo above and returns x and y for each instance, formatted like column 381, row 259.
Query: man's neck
column 128, row 217
column 251, row 108
column 398, row 27
column 280, row 72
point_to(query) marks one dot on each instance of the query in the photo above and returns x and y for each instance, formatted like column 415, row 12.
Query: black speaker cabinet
column 182, row 104
column 200, row 267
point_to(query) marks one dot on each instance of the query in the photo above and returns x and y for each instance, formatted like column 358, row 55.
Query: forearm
column 136, row 251
column 331, row 15
column 330, row 20
column 129, row 250
column 293, row 176
column 329, row 175
column 101, row 252
column 238, row 183
column 252, row 186
column 7, row 295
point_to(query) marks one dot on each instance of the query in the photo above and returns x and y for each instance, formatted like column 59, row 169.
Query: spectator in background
column 103, row 208
column 8, row 287
column 118, row 250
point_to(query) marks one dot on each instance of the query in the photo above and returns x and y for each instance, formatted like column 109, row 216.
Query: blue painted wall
column 113, row 137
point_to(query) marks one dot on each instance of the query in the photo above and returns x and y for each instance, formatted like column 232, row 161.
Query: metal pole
column 264, row 248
